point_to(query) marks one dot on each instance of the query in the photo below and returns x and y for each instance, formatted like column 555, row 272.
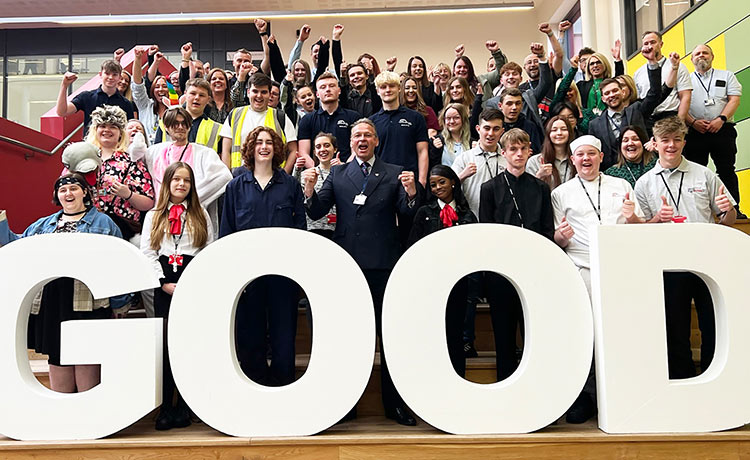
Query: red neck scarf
column 448, row 216
column 175, row 220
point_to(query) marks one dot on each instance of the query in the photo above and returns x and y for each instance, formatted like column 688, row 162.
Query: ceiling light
column 250, row 15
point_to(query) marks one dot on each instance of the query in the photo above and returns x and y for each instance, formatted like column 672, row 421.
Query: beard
column 702, row 64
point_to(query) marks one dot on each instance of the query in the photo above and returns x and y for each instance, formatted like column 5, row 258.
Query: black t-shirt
column 339, row 123
column 88, row 101
column 398, row 133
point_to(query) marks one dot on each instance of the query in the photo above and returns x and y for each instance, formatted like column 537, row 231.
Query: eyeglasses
column 178, row 123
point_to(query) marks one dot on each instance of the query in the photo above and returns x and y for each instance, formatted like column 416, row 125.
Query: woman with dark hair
column 66, row 299
column 265, row 196
column 417, row 68
column 572, row 113
column 326, row 156
column 633, row 160
column 448, row 207
column 220, row 105
column 173, row 233
column 462, row 67
column 553, row 164
column 411, row 97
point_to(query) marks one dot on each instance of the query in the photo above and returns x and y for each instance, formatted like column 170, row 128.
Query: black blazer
column 496, row 204
column 635, row 114
column 427, row 220
column 367, row 232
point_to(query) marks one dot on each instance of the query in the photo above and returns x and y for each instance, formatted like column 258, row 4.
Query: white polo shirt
column 489, row 165
column 570, row 200
column 711, row 93
column 695, row 187
column 671, row 103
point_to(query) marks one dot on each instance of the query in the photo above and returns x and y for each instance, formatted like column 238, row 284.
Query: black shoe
column 351, row 415
column 740, row 214
column 581, row 410
column 164, row 419
column 181, row 417
column 401, row 416
column 469, row 350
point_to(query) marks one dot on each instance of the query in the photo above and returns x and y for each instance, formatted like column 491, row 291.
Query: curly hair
column 248, row 148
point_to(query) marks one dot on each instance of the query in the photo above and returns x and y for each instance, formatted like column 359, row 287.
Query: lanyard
column 513, row 196
column 487, row 164
column 710, row 80
column 598, row 207
column 564, row 178
column 320, row 171
column 631, row 173
column 679, row 193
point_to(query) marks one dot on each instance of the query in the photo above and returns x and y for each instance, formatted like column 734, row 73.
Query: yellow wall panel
column 720, row 52
column 744, row 179
column 674, row 39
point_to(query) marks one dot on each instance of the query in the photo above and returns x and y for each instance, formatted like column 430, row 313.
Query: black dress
column 56, row 307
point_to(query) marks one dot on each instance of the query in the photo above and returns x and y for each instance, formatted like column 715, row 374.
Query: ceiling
column 55, row 8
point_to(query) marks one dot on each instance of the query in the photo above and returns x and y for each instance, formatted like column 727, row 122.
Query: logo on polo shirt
column 405, row 123
column 342, row 124
column 697, row 189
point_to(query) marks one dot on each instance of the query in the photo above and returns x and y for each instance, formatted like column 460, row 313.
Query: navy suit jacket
column 367, row 232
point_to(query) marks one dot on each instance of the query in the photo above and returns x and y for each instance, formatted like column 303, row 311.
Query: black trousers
column 455, row 313
column 377, row 280
column 162, row 303
column 268, row 304
column 506, row 313
column 680, row 290
column 722, row 146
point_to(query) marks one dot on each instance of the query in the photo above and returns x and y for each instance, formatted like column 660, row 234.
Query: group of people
column 376, row 161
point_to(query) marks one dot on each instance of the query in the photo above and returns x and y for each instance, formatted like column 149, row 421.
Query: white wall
column 432, row 36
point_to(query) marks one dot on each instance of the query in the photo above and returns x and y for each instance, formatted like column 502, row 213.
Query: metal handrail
column 37, row 149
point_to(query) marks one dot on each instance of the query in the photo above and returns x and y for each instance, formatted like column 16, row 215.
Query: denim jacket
column 93, row 222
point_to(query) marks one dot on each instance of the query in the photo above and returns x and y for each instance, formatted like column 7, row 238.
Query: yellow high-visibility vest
column 236, row 120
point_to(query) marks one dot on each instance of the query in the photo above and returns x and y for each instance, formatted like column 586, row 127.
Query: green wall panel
column 743, row 145
column 737, row 51
column 743, row 112
column 712, row 18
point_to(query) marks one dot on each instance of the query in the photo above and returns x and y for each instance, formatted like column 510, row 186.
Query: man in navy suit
column 369, row 195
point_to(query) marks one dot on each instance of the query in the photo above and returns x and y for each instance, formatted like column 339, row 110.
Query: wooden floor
column 376, row 438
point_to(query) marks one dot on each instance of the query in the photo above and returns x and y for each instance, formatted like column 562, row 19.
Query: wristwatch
column 723, row 118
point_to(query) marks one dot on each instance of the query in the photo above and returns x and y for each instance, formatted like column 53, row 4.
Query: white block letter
column 131, row 377
column 635, row 393
column 201, row 334
column 558, row 342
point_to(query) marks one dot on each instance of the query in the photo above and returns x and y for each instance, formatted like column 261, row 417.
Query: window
column 33, row 86
column 646, row 17
column 673, row 9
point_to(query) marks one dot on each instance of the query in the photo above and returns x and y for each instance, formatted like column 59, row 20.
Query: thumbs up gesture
column 722, row 200
column 628, row 207
column 565, row 230
column 666, row 212
column 336, row 160
column 545, row 169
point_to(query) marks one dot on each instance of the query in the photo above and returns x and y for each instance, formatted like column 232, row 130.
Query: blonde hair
column 387, row 77
column 627, row 80
column 122, row 144
column 605, row 63
column 463, row 112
